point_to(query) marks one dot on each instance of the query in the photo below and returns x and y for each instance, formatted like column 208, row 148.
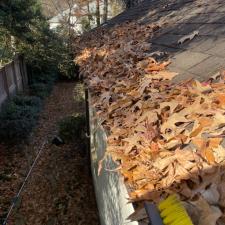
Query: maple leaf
column 170, row 129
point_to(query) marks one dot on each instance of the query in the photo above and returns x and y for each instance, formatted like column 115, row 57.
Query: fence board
column 13, row 78
column 10, row 78
column 3, row 92
column 18, row 75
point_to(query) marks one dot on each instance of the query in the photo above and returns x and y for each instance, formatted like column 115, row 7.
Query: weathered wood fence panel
column 13, row 78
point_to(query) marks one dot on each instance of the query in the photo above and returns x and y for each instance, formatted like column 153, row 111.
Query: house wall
column 55, row 21
column 111, row 192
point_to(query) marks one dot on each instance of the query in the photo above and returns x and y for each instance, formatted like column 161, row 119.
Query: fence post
column 5, row 81
column 23, row 70
column 14, row 74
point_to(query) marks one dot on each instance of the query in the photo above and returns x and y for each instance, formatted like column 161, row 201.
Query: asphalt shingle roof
column 200, row 57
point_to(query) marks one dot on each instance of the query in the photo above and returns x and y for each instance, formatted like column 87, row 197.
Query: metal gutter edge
column 110, row 190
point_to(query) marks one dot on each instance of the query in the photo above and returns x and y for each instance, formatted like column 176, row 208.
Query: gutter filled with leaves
column 164, row 137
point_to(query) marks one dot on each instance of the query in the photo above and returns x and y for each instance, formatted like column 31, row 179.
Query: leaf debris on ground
column 59, row 191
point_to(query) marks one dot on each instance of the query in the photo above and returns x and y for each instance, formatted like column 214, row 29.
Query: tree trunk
column 105, row 13
column 69, row 30
column 98, row 12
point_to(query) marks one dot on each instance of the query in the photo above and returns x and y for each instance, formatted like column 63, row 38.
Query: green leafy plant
column 23, row 100
column 72, row 128
column 40, row 90
column 18, row 117
column 25, row 30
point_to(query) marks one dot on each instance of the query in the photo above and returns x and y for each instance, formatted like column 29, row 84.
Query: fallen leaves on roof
column 167, row 137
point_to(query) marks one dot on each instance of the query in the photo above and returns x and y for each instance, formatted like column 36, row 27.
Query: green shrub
column 21, row 100
column 72, row 128
column 42, row 84
column 40, row 90
column 18, row 117
column 68, row 69
column 47, row 78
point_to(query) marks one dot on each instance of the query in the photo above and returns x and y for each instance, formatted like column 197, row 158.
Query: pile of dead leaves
column 166, row 137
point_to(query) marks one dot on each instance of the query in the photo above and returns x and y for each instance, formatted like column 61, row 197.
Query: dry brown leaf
column 196, row 131
column 181, row 173
column 208, row 214
column 151, row 117
column 208, row 154
column 167, row 137
column 219, row 154
column 138, row 214
column 120, row 104
column 221, row 190
column 105, row 97
column 172, row 143
column 214, row 142
column 172, row 105
column 143, row 194
column 199, row 142
column 162, row 163
column 169, row 129
column 154, row 149
column 211, row 194
column 164, row 75
column 144, row 63
column 200, row 87
column 220, row 98
column 157, row 67
column 170, row 175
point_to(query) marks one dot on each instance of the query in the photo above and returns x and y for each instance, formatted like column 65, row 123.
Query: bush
column 21, row 100
column 40, row 90
column 68, row 69
column 47, row 78
column 72, row 128
column 41, row 85
column 18, row 117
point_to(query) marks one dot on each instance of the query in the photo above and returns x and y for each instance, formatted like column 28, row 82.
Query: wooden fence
column 13, row 78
